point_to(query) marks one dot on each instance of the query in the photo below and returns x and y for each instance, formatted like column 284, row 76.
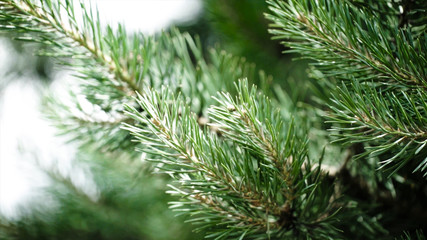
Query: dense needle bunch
column 380, row 68
column 245, row 163
column 251, row 175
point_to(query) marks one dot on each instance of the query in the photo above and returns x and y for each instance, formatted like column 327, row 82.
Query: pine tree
column 249, row 162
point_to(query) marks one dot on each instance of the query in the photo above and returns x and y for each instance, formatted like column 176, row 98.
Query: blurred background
column 51, row 190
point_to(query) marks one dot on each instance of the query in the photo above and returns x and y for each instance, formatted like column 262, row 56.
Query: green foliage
column 419, row 235
column 244, row 163
column 241, row 29
column 256, row 172
column 382, row 68
column 125, row 205
column 108, row 62
column 349, row 43
column 387, row 122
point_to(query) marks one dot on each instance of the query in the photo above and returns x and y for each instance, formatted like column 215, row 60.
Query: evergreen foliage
column 245, row 162
column 120, row 208
column 255, row 173
column 382, row 68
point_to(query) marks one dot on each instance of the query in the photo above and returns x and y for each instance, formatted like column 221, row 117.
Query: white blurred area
column 27, row 141
column 148, row 16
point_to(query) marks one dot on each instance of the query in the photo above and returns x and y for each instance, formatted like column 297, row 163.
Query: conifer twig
column 241, row 174
column 338, row 34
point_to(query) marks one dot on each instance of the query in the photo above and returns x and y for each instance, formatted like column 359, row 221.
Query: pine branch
column 240, row 182
column 120, row 206
column 241, row 121
column 348, row 43
column 102, row 59
column 252, row 178
column 48, row 27
column 112, row 65
column 163, row 122
column 383, row 69
column 388, row 122
column 419, row 235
